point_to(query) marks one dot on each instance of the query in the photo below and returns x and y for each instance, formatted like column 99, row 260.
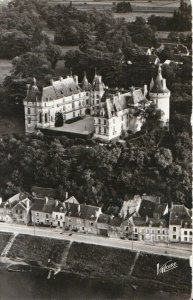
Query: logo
column 168, row 266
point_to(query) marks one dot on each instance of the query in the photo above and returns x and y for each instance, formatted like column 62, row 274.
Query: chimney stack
column 1, row 200
column 145, row 89
column 146, row 218
column 66, row 196
column 46, row 200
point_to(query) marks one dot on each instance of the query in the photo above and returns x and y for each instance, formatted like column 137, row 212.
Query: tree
column 123, row 7
column 32, row 65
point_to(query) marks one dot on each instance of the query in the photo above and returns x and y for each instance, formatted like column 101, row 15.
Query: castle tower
column 160, row 95
column 86, row 86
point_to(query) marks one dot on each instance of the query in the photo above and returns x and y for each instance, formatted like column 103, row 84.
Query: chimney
column 164, row 83
column 27, row 86
column 56, row 203
column 66, row 196
column 145, row 89
column 76, row 79
column 46, row 200
column 146, row 218
column 78, row 208
column 1, row 200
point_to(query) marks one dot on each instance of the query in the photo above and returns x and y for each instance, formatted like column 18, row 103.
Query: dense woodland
column 153, row 161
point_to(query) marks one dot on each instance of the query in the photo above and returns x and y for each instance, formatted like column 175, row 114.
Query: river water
column 35, row 286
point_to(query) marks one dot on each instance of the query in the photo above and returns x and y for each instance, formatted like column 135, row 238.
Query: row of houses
column 140, row 218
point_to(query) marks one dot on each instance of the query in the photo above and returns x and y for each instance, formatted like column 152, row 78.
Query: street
column 172, row 250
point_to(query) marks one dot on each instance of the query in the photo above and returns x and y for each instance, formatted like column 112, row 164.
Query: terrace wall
column 114, row 264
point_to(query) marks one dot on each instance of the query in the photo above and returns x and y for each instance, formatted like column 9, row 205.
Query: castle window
column 28, row 111
column 99, row 130
column 99, row 121
column 40, row 118
column 185, row 232
column 87, row 102
column 46, row 118
column 105, row 122
column 105, row 131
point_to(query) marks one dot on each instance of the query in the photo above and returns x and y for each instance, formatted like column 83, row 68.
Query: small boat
column 19, row 268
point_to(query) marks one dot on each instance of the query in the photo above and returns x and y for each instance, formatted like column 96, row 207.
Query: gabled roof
column 113, row 103
column 43, row 192
column 154, row 199
column 179, row 214
column 72, row 200
column 59, row 207
column 159, row 85
column 82, row 211
column 138, row 221
column 103, row 218
column 157, row 222
column 146, row 209
column 115, row 221
column 41, row 205
column 58, row 89
column 11, row 202
column 160, row 208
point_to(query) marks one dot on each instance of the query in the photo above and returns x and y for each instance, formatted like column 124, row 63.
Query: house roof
column 103, row 218
column 138, row 221
column 59, row 207
column 154, row 199
column 115, row 221
column 160, row 208
column 42, row 205
column 11, row 202
column 157, row 222
column 72, row 200
column 179, row 214
column 43, row 192
column 146, row 208
column 83, row 211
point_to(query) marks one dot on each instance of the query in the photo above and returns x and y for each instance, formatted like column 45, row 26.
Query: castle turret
column 160, row 95
column 86, row 86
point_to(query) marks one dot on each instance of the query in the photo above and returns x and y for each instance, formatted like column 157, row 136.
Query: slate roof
column 43, row 192
column 154, row 199
column 59, row 207
column 11, row 202
column 157, row 222
column 115, row 221
column 82, row 211
column 40, row 205
column 58, row 89
column 179, row 214
column 138, row 221
column 113, row 103
column 158, row 86
column 160, row 208
column 103, row 218
column 146, row 209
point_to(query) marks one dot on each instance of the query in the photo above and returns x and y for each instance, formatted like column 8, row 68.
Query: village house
column 82, row 217
column 59, row 211
column 42, row 209
column 180, row 224
column 103, row 225
column 16, row 209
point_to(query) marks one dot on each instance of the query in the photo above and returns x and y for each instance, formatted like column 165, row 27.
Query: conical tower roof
column 159, row 86
column 85, row 84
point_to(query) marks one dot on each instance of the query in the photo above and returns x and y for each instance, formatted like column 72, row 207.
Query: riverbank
column 124, row 266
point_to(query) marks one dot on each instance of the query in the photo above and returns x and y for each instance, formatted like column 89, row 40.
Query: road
column 97, row 240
